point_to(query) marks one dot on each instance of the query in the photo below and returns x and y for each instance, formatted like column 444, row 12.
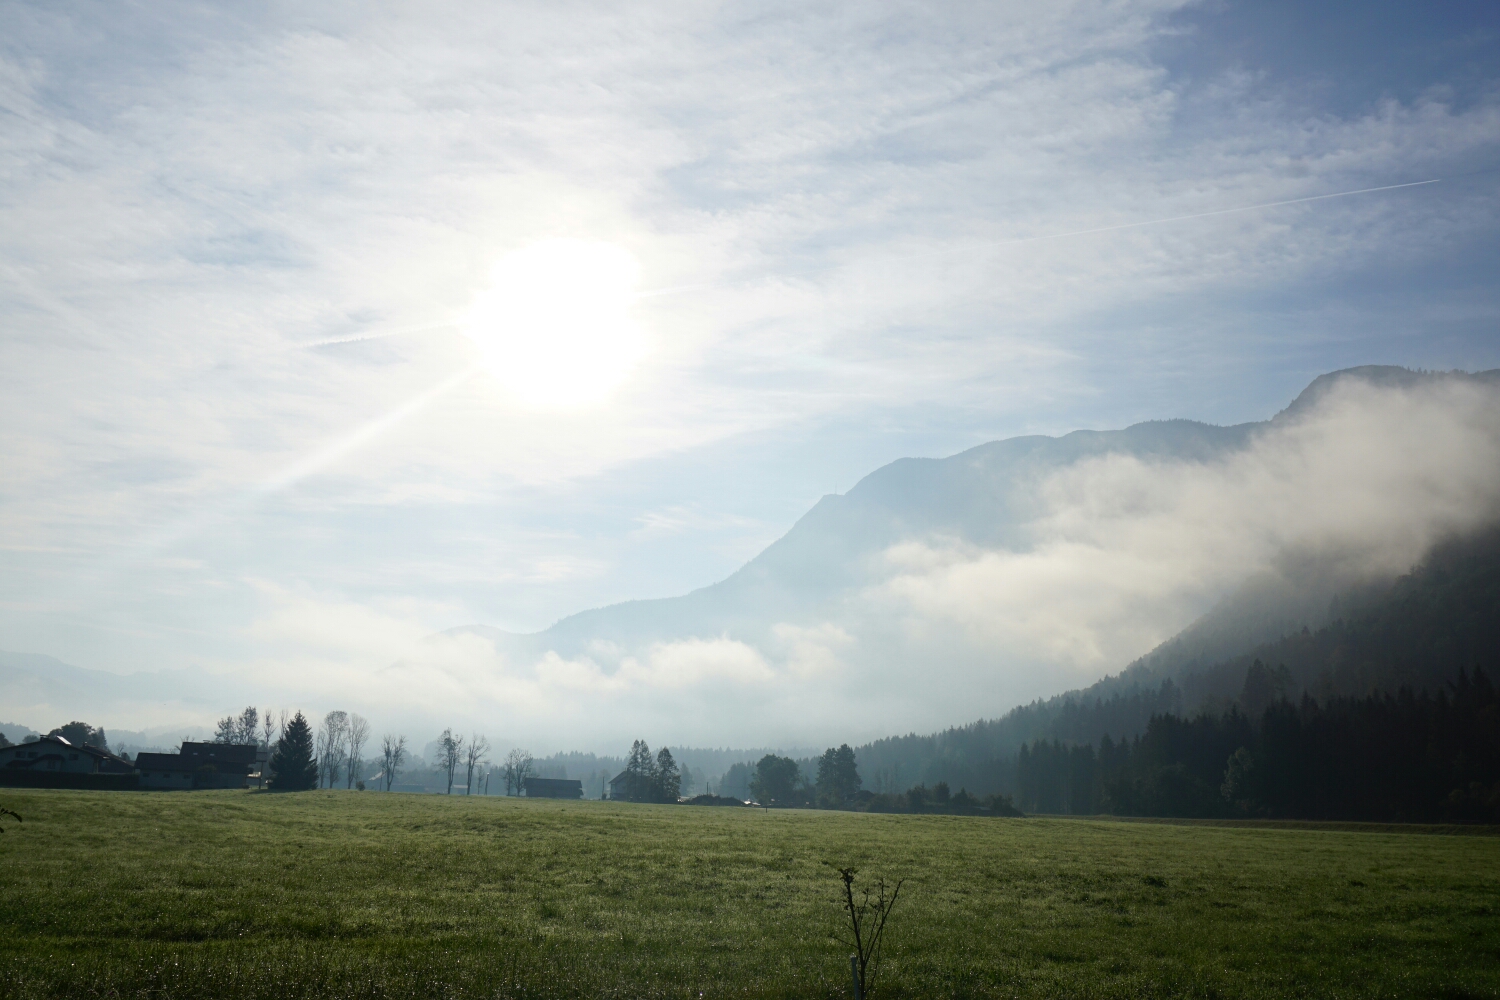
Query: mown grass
column 247, row 895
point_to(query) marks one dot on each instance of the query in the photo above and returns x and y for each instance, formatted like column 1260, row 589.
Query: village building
column 54, row 753
column 201, row 765
column 553, row 788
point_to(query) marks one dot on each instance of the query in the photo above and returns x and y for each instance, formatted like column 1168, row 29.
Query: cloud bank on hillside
column 1124, row 553
column 1358, row 487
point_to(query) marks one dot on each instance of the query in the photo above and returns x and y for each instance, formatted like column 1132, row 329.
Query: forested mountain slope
column 1418, row 632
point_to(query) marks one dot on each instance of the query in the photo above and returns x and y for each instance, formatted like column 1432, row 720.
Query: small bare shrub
column 867, row 919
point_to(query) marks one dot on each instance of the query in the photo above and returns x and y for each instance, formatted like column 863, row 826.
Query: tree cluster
column 81, row 734
column 780, row 781
column 242, row 729
column 1402, row 757
column 340, row 747
column 838, row 777
column 519, row 765
column 939, row 799
column 651, row 779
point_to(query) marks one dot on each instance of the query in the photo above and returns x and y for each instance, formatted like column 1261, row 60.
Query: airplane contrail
column 325, row 456
column 355, row 338
column 308, row 465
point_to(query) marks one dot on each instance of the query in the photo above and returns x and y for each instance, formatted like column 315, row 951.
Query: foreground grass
column 366, row 895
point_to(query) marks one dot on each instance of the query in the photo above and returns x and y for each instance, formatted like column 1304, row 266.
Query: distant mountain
column 983, row 496
column 48, row 693
column 987, row 499
column 15, row 732
column 938, row 588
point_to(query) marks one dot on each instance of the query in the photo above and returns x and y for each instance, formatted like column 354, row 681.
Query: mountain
column 984, row 496
column 48, row 693
column 952, row 587
column 1025, row 566
column 1419, row 632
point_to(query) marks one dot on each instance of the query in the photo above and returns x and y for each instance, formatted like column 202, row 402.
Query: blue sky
column 193, row 194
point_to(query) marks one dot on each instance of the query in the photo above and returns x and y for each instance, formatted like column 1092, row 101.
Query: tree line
column 1403, row 757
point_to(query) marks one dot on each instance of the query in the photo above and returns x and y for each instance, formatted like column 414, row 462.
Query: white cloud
column 1128, row 550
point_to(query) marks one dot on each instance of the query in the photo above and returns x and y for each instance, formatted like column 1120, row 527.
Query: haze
column 342, row 346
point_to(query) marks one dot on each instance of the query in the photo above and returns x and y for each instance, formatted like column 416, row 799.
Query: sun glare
column 554, row 327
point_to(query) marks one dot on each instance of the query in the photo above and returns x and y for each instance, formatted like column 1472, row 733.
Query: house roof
column 58, row 742
column 56, row 746
column 145, row 761
column 220, row 753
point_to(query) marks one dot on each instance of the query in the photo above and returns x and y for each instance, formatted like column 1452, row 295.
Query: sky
column 268, row 400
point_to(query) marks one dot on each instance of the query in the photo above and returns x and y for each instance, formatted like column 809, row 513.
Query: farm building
column 54, row 753
column 553, row 788
column 200, row 765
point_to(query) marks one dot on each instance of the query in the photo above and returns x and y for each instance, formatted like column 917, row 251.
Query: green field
column 245, row 895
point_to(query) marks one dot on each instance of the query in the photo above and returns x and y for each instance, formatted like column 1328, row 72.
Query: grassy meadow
column 346, row 894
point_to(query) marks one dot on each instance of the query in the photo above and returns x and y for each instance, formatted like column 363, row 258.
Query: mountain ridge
column 978, row 495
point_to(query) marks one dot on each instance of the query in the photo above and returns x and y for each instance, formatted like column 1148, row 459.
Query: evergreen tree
column 838, row 776
column 292, row 765
column 668, row 777
column 640, row 773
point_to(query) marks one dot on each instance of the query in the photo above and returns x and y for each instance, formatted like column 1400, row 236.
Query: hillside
column 986, row 497
column 1418, row 631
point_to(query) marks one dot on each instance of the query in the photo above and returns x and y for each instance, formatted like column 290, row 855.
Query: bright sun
column 554, row 327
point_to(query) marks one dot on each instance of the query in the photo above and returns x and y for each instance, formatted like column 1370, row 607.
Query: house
column 619, row 786
column 553, row 788
column 200, row 765
column 54, row 753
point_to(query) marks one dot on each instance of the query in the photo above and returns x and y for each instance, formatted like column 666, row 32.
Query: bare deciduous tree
column 356, row 735
column 270, row 726
column 238, row 729
column 392, row 756
column 450, row 754
column 248, row 725
column 478, row 747
column 518, row 767
column 331, row 746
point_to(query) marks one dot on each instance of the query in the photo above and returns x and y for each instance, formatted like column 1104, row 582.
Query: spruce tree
column 668, row 777
column 293, row 766
column 640, row 773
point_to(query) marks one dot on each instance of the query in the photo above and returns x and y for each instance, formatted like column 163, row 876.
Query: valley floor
column 345, row 894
